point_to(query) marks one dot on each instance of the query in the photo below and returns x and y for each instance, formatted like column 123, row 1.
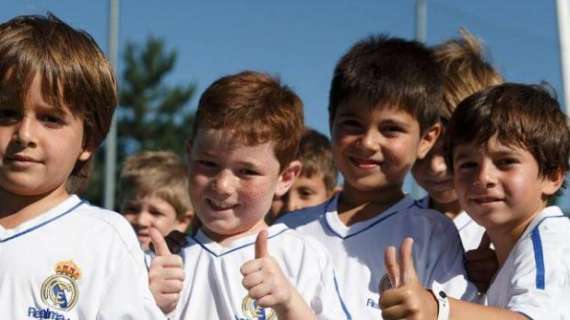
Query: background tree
column 151, row 114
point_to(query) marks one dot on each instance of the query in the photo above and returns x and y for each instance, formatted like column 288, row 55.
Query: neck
column 226, row 240
column 452, row 209
column 505, row 238
column 17, row 209
column 355, row 206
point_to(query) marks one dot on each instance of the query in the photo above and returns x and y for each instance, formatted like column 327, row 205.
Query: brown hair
column 465, row 70
column 73, row 70
column 257, row 108
column 525, row 116
column 389, row 71
column 159, row 173
column 316, row 155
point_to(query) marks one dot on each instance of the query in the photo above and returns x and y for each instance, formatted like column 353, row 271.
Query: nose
column 25, row 132
column 437, row 164
column 224, row 182
column 292, row 202
column 485, row 177
column 371, row 140
column 143, row 219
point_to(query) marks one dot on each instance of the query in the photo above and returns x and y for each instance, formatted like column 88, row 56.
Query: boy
column 317, row 181
column 241, row 153
column 61, row 258
column 383, row 111
column 509, row 147
column 465, row 72
column 153, row 190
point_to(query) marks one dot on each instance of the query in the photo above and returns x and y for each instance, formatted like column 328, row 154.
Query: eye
column 350, row 125
column 248, row 172
column 8, row 116
column 306, row 193
column 464, row 165
column 52, row 120
column 206, row 164
column 156, row 213
column 392, row 129
column 507, row 162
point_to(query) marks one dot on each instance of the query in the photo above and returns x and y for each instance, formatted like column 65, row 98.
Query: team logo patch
column 60, row 290
column 385, row 283
column 252, row 311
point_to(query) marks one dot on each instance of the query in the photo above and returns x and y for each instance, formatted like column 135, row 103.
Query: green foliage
column 151, row 114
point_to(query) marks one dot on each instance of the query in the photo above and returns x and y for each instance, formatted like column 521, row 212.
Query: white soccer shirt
column 75, row 261
column 358, row 250
column 535, row 278
column 470, row 231
column 213, row 285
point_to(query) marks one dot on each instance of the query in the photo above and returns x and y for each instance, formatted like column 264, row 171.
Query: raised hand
column 407, row 299
column 482, row 264
column 166, row 274
column 265, row 281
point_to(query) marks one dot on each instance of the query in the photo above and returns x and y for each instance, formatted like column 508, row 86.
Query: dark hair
column 389, row 71
column 316, row 155
column 526, row 116
column 73, row 71
column 257, row 108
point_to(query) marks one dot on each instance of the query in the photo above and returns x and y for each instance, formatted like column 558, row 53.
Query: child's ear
column 552, row 182
column 288, row 176
column 85, row 155
column 428, row 139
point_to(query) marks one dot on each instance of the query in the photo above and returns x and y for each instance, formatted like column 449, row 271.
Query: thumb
column 392, row 266
column 261, row 245
column 485, row 242
column 409, row 274
column 158, row 243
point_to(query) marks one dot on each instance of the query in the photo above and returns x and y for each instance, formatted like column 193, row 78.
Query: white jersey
column 213, row 285
column 535, row 278
column 75, row 261
column 470, row 231
column 358, row 250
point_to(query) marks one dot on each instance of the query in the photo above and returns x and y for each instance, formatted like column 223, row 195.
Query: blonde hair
column 160, row 173
column 465, row 70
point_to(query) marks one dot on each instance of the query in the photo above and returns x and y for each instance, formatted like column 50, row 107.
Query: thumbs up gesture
column 166, row 274
column 482, row 264
column 268, row 286
column 407, row 299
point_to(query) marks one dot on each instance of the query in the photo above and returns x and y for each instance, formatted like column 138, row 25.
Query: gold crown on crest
column 68, row 268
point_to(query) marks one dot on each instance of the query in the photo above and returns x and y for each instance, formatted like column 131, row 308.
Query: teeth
column 219, row 205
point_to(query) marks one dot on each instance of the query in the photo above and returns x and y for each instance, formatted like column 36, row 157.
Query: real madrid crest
column 60, row 290
column 252, row 311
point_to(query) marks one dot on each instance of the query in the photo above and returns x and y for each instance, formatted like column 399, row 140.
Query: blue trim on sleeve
column 42, row 224
column 538, row 258
column 344, row 308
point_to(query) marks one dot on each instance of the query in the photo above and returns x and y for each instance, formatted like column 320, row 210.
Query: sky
column 300, row 41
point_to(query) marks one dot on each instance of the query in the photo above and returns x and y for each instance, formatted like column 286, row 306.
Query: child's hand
column 407, row 299
column 264, row 280
column 166, row 274
column 482, row 264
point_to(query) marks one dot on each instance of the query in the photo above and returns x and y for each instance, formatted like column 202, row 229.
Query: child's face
column 39, row 146
column 306, row 192
column 431, row 174
column 232, row 185
column 499, row 185
column 146, row 211
column 374, row 148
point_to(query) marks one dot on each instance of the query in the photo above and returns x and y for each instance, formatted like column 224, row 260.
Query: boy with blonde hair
column 509, row 147
column 465, row 72
column 153, row 193
column 383, row 113
column 242, row 153
column 62, row 258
